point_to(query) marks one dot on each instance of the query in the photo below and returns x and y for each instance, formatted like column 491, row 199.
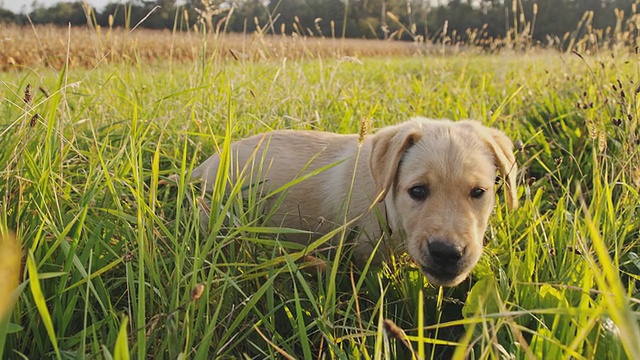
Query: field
column 114, row 264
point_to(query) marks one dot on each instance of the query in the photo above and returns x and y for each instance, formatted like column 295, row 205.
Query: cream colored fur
column 443, row 232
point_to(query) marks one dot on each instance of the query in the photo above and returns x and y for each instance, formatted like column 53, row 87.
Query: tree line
column 403, row 19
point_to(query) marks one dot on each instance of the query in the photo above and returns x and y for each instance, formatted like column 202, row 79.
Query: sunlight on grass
column 9, row 271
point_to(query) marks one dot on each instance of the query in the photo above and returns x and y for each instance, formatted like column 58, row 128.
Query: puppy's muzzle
column 445, row 261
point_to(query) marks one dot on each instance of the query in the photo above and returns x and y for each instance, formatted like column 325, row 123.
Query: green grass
column 111, row 257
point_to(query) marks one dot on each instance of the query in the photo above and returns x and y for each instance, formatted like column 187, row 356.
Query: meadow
column 114, row 263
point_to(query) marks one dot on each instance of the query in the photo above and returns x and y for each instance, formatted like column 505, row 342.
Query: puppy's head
column 437, row 179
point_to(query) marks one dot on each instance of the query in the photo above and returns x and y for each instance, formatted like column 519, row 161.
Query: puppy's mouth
column 439, row 277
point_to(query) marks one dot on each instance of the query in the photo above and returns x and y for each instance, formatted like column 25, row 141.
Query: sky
column 24, row 6
column 18, row 6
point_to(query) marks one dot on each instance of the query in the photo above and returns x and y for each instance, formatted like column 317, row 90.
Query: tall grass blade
column 41, row 303
column 121, row 351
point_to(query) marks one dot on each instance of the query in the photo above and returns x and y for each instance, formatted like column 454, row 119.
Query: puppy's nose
column 445, row 252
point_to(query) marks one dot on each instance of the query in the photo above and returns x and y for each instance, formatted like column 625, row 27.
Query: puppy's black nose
column 444, row 252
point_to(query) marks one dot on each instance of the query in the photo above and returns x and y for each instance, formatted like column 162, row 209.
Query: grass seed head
column 519, row 145
column 197, row 291
column 602, row 141
column 365, row 123
column 394, row 331
column 28, row 96
column 635, row 175
column 593, row 132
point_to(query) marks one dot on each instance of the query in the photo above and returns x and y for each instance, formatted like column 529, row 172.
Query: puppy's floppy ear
column 387, row 148
column 502, row 149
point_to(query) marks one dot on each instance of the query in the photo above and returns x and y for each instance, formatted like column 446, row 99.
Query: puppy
column 431, row 181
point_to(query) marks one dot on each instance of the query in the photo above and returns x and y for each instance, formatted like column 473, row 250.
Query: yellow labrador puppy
column 431, row 181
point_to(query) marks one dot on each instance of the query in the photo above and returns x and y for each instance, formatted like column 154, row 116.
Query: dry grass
column 25, row 47
column 87, row 46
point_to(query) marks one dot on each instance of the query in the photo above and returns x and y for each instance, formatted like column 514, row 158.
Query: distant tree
column 351, row 18
column 460, row 15
column 122, row 15
column 287, row 11
column 156, row 14
column 559, row 17
column 163, row 13
column 60, row 14
column 246, row 14
column 8, row 17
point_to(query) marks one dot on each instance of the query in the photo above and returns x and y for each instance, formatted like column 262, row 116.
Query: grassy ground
column 114, row 265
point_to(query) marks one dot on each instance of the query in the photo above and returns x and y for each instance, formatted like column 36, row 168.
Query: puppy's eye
column 419, row 192
column 477, row 193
